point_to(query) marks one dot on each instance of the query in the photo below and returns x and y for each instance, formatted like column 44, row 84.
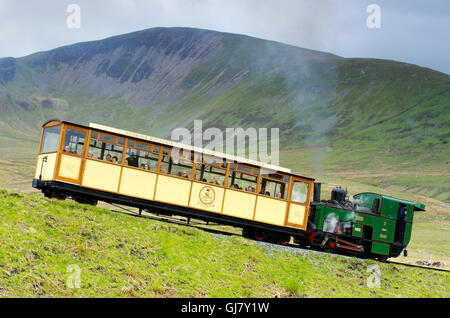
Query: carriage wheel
column 284, row 240
column 259, row 236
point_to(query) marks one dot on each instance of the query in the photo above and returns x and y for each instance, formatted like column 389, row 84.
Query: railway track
column 207, row 228
column 420, row 266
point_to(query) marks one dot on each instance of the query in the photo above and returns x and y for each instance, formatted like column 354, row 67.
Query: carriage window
column 242, row 181
column 274, row 184
column 211, row 174
column 276, row 189
column 142, row 155
column 144, row 146
column 105, row 151
column 51, row 139
column 141, row 159
column 215, row 161
column 181, row 167
column 108, row 138
column 299, row 192
column 244, row 169
column 94, row 135
column 74, row 141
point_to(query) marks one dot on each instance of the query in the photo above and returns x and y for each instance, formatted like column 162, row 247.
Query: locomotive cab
column 395, row 222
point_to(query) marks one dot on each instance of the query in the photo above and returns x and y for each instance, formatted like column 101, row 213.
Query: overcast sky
column 411, row 31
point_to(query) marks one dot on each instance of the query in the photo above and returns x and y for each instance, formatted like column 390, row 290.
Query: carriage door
column 299, row 203
column 73, row 147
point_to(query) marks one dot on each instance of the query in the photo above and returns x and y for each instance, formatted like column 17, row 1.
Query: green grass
column 120, row 255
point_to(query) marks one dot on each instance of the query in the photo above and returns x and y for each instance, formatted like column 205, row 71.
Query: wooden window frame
column 42, row 138
column 191, row 154
column 308, row 194
column 98, row 139
column 135, row 142
column 282, row 181
column 225, row 169
column 235, row 169
column 86, row 140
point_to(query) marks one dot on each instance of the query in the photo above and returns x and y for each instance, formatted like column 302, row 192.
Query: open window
column 178, row 164
column 243, row 177
column 274, row 184
column 105, row 147
column 142, row 155
column 210, row 169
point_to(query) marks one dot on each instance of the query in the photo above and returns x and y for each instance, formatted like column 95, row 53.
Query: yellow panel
column 173, row 190
column 239, row 204
column 206, row 197
column 99, row 175
column 70, row 167
column 296, row 214
column 137, row 183
column 270, row 211
column 48, row 168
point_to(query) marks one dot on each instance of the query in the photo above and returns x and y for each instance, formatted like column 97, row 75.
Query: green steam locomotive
column 371, row 225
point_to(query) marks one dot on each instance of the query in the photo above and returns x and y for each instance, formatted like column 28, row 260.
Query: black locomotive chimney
column 317, row 189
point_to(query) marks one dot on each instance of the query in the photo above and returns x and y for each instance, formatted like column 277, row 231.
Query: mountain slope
column 347, row 113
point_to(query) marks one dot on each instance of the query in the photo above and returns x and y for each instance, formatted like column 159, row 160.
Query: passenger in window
column 267, row 193
column 278, row 195
column 146, row 166
column 108, row 158
column 115, row 159
column 214, row 181
column 133, row 160
column 185, row 174
column 90, row 154
column 67, row 149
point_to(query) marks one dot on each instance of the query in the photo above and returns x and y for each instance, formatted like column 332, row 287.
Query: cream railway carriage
column 95, row 162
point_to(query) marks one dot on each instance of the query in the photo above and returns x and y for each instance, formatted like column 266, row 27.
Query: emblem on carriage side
column 207, row 195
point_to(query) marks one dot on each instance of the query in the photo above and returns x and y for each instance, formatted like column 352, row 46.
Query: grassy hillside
column 119, row 255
